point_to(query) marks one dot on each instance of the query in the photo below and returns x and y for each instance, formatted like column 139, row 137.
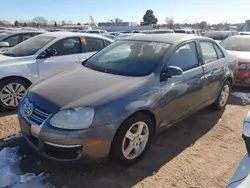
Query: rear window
column 179, row 31
column 237, row 44
column 217, row 35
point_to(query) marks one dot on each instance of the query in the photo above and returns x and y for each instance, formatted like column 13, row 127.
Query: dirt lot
column 201, row 151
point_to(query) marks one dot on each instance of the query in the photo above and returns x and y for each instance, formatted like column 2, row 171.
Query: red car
column 240, row 46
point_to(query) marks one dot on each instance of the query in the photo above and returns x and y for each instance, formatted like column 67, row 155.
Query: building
column 246, row 26
column 108, row 24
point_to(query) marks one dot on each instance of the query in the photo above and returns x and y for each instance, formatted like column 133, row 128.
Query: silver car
column 42, row 56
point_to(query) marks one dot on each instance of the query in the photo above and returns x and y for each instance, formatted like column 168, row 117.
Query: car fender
column 23, row 68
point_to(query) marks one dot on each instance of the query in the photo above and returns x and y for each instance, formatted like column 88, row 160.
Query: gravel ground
column 201, row 151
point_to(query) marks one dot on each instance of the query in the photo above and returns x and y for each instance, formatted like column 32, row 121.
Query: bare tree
column 40, row 20
column 170, row 22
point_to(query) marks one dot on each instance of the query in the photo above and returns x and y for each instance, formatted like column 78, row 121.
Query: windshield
column 128, row 58
column 30, row 46
column 217, row 35
column 4, row 35
column 237, row 44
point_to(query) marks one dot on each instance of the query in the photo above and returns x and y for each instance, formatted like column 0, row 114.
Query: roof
column 73, row 34
column 167, row 37
column 23, row 31
column 240, row 36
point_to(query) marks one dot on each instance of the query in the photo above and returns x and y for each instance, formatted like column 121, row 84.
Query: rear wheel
column 132, row 140
column 223, row 97
column 12, row 91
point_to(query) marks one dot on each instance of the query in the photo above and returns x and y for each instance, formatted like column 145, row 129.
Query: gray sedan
column 114, row 102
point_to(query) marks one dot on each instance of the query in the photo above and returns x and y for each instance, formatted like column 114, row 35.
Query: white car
column 40, row 57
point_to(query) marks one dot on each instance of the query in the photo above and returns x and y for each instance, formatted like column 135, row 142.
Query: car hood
column 78, row 86
column 4, row 57
column 242, row 56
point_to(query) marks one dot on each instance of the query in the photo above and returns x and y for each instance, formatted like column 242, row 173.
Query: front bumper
column 67, row 145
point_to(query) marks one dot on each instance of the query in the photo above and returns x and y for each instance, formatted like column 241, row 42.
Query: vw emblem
column 29, row 110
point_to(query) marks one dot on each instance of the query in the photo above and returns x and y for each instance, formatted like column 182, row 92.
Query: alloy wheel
column 224, row 95
column 135, row 140
column 11, row 94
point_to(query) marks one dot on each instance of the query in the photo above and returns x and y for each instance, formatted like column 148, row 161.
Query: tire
column 218, row 105
column 17, row 85
column 120, row 143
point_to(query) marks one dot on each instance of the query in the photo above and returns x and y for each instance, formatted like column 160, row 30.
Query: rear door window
column 208, row 52
column 94, row 44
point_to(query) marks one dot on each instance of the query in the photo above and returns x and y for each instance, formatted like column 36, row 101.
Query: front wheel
column 11, row 92
column 223, row 97
column 132, row 140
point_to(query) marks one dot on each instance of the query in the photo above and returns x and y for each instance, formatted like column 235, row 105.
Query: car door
column 69, row 50
column 182, row 95
column 214, row 66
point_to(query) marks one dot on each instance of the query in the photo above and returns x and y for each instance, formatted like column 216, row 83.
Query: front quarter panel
column 22, row 67
column 143, row 95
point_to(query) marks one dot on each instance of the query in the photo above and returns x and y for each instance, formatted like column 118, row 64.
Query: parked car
column 159, row 31
column 42, row 56
column 108, row 36
column 219, row 36
column 114, row 33
column 121, row 36
column 240, row 46
column 96, row 31
column 241, row 177
column 11, row 38
column 114, row 102
column 244, row 33
column 184, row 31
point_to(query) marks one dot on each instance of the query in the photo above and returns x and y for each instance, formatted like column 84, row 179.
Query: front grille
column 37, row 114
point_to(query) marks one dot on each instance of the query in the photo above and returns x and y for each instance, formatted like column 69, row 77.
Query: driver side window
column 67, row 46
column 185, row 57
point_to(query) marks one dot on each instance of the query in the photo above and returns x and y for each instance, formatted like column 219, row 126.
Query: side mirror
column 47, row 53
column 4, row 44
column 171, row 72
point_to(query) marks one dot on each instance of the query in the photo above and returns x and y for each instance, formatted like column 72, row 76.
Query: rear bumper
column 242, row 78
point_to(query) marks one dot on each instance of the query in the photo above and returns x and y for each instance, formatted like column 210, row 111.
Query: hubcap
column 135, row 140
column 11, row 94
column 224, row 95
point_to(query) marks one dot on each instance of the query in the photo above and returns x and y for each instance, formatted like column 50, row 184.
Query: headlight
column 244, row 66
column 73, row 118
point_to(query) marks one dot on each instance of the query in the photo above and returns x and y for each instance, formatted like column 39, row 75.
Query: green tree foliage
column 149, row 18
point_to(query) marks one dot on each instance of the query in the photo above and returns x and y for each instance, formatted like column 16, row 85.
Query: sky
column 190, row 11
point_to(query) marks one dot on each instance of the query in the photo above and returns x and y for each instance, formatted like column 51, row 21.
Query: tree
column 63, row 22
column 149, row 18
column 55, row 24
column 202, row 25
column 78, row 23
column 25, row 24
column 40, row 20
column 16, row 23
column 170, row 22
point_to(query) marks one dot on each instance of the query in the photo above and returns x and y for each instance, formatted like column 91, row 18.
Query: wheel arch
column 146, row 112
column 16, row 77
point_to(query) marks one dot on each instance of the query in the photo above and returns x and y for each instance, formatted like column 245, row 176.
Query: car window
column 94, row 44
column 219, row 52
column 185, row 57
column 13, row 40
column 128, row 58
column 67, row 46
column 107, row 43
column 26, row 36
column 208, row 52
